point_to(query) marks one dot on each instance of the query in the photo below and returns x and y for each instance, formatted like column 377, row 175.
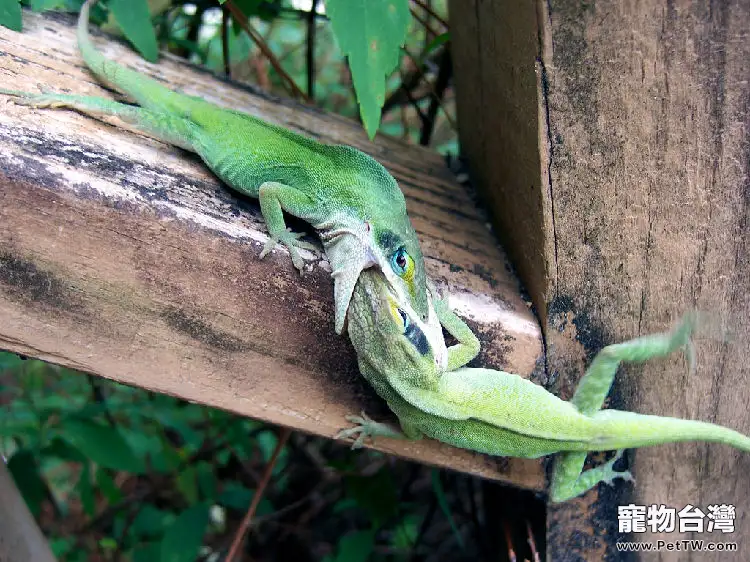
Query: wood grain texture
column 643, row 147
column 124, row 257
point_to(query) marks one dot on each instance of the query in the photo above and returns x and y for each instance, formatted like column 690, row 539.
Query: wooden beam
column 623, row 129
column 126, row 258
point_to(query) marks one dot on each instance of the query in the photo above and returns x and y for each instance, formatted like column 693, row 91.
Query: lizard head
column 373, row 232
column 394, row 252
column 389, row 336
column 400, row 258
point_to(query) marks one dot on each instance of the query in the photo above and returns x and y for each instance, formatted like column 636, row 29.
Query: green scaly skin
column 501, row 413
column 348, row 197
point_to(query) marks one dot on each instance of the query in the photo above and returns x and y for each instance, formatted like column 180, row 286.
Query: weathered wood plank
column 636, row 166
column 126, row 258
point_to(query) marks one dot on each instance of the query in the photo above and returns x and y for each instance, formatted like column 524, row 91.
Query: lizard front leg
column 275, row 197
column 468, row 345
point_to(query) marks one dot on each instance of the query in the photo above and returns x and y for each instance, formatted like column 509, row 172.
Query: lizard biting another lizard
column 501, row 413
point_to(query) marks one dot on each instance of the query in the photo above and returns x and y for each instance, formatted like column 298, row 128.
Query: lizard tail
column 145, row 91
column 624, row 430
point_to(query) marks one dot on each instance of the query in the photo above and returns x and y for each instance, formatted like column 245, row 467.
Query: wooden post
column 611, row 142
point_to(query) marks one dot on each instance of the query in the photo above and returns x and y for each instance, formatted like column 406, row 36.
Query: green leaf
column 236, row 496
column 356, row 546
column 25, row 472
column 183, row 539
column 108, row 543
column 437, row 487
column 435, row 43
column 86, row 491
column 9, row 360
column 10, row 14
column 258, row 8
column 150, row 521
column 107, row 486
column 376, row 494
column 18, row 419
column 187, row 483
column 61, row 546
column 135, row 21
column 148, row 552
column 370, row 33
column 41, row 5
column 162, row 455
column 102, row 444
column 62, row 450
column 206, row 480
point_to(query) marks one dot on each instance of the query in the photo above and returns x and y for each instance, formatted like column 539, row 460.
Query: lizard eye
column 402, row 263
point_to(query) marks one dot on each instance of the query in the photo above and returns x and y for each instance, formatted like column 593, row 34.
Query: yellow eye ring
column 403, row 264
column 398, row 316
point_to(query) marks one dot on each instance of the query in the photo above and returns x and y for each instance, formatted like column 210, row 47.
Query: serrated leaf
column 10, row 14
column 102, row 444
column 370, row 33
column 183, row 538
column 135, row 21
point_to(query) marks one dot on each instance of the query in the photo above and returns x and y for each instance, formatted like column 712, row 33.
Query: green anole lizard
column 501, row 413
column 348, row 197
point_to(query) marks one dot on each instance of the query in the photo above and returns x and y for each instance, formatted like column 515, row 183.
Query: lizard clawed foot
column 364, row 428
column 610, row 473
column 39, row 101
column 682, row 334
column 292, row 241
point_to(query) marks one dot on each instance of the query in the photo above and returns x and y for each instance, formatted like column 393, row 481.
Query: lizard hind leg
column 568, row 477
column 166, row 128
column 596, row 382
column 570, row 480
